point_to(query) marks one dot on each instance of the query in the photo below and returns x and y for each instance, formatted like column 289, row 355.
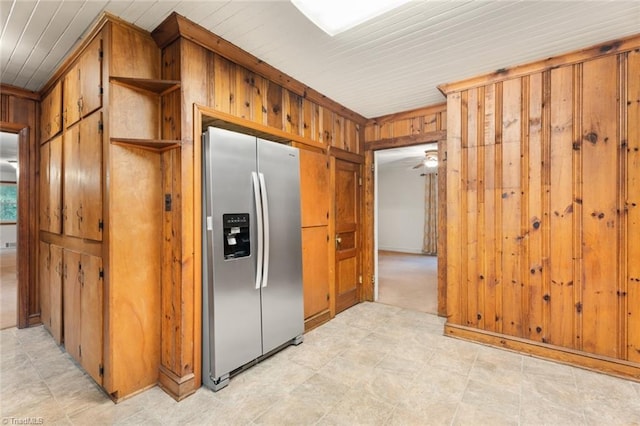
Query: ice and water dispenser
column 236, row 235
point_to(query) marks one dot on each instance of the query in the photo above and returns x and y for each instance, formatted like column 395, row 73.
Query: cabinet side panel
column 133, row 53
column 134, row 285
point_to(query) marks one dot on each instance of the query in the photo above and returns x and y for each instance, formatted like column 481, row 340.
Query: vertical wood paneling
column 511, row 207
column 259, row 101
column 488, row 275
column 544, row 209
column 560, row 297
column 274, row 106
column 294, row 113
column 243, row 93
column 471, row 193
column 454, row 214
column 533, row 219
column 599, row 147
column 338, row 131
column 222, row 90
column 633, row 207
column 308, row 120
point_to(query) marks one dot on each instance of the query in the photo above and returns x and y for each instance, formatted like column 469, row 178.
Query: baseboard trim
column 316, row 320
column 178, row 387
column 614, row 367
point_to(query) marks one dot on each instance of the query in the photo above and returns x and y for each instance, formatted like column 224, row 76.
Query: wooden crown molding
column 602, row 49
column 431, row 109
column 176, row 26
column 6, row 89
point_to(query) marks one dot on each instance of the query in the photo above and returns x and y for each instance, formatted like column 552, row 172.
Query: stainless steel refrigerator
column 252, row 252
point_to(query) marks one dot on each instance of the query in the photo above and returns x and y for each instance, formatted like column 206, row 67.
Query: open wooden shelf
column 155, row 145
column 157, row 87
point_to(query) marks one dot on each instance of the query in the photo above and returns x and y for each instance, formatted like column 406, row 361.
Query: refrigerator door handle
column 265, row 214
column 259, row 257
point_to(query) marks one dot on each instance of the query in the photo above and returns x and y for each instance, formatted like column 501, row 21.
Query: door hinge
column 359, row 181
column 373, row 279
column 373, row 167
column 101, row 90
column 359, row 279
column 80, row 350
column 101, row 370
column 100, row 126
column 100, row 225
column 100, row 54
column 328, row 297
column 101, row 273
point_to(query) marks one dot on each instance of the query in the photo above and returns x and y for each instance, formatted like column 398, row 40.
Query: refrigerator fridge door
column 282, row 304
column 232, row 298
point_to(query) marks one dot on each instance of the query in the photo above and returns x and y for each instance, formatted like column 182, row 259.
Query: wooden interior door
column 347, row 236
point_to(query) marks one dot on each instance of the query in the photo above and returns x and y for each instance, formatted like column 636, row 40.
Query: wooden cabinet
column 108, row 169
column 314, row 204
column 82, row 93
column 83, row 313
column 51, row 113
column 83, row 179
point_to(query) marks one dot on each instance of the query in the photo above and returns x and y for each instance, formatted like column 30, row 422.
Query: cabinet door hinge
column 359, row 181
column 80, row 350
column 101, row 370
column 328, row 297
column 100, row 126
column 100, row 225
column 101, row 90
column 359, row 279
column 373, row 167
column 100, row 54
column 101, row 273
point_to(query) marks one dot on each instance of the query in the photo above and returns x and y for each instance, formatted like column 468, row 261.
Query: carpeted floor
column 8, row 288
column 408, row 281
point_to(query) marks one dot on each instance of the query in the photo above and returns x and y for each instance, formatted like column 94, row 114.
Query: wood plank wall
column 413, row 127
column 543, row 213
column 242, row 92
column 20, row 113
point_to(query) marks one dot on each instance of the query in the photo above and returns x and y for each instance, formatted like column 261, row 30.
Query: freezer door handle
column 259, row 256
column 265, row 214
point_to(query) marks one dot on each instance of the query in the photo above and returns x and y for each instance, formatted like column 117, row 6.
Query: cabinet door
column 315, row 270
column 55, row 292
column 314, row 188
column 51, row 113
column 91, row 78
column 45, row 283
column 55, row 185
column 71, row 302
column 83, row 179
column 71, row 96
column 45, row 209
column 89, row 168
column 71, row 187
column 91, row 337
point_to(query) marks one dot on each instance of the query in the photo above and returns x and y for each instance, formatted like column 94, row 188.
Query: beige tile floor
column 373, row 364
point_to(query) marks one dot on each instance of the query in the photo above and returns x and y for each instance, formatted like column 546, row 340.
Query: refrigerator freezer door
column 282, row 304
column 235, row 335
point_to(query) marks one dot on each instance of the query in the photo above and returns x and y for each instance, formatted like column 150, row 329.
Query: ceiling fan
column 429, row 161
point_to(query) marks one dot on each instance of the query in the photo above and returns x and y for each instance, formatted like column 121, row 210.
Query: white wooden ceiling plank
column 5, row 12
column 156, row 14
column 136, row 10
column 14, row 29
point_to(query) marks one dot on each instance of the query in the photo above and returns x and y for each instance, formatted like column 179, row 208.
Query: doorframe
column 25, row 244
column 370, row 201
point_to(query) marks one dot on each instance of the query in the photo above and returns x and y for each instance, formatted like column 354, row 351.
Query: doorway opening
column 405, row 233
column 8, row 230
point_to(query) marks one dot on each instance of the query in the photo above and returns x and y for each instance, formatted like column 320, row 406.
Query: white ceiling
column 387, row 65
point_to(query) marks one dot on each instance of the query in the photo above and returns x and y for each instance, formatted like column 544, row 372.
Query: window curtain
column 430, row 240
